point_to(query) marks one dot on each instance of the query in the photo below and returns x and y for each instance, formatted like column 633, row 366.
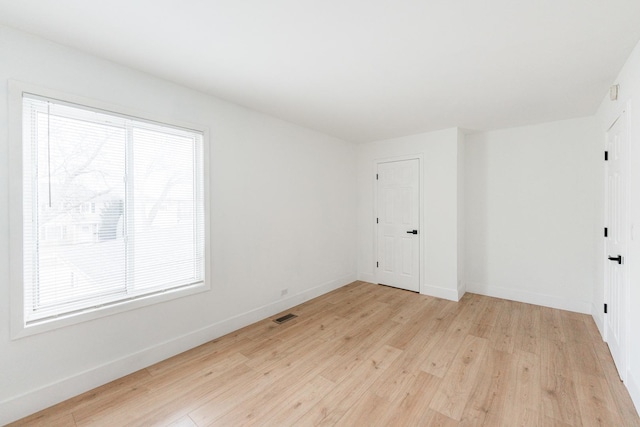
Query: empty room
column 356, row 213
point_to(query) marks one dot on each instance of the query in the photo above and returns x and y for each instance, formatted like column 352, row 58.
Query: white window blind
column 113, row 208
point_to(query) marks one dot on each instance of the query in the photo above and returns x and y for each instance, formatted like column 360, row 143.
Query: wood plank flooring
column 368, row 355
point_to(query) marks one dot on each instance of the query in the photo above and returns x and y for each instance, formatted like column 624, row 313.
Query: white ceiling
column 362, row 70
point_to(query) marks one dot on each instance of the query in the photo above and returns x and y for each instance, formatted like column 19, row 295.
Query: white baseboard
column 367, row 277
column 634, row 390
column 439, row 292
column 577, row 306
column 598, row 318
column 20, row 406
column 462, row 289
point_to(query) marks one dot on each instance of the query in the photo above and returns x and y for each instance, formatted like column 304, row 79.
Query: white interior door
column 398, row 220
column 616, row 275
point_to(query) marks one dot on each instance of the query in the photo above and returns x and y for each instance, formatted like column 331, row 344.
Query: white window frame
column 19, row 328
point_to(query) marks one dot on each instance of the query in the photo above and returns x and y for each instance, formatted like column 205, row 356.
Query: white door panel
column 398, row 215
column 616, row 275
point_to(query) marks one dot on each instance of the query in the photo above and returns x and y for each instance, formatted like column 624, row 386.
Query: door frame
column 421, row 240
column 626, row 229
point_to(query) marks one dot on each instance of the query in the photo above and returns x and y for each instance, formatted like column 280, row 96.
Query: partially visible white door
column 398, row 224
column 616, row 286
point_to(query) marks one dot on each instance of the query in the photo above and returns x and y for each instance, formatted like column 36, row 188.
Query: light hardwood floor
column 368, row 355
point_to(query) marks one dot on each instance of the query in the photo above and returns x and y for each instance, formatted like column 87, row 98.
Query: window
column 113, row 210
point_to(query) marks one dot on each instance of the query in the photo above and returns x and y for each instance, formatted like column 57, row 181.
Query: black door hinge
column 605, row 309
column 377, row 220
column 606, row 156
column 606, row 232
column 377, row 264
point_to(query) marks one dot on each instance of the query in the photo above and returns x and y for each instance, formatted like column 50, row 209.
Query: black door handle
column 617, row 258
column 412, row 232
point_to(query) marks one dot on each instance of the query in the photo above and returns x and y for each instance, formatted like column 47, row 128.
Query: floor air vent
column 285, row 318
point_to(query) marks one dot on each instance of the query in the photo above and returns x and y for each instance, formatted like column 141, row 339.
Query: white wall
column 440, row 154
column 283, row 216
column 531, row 213
column 629, row 99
